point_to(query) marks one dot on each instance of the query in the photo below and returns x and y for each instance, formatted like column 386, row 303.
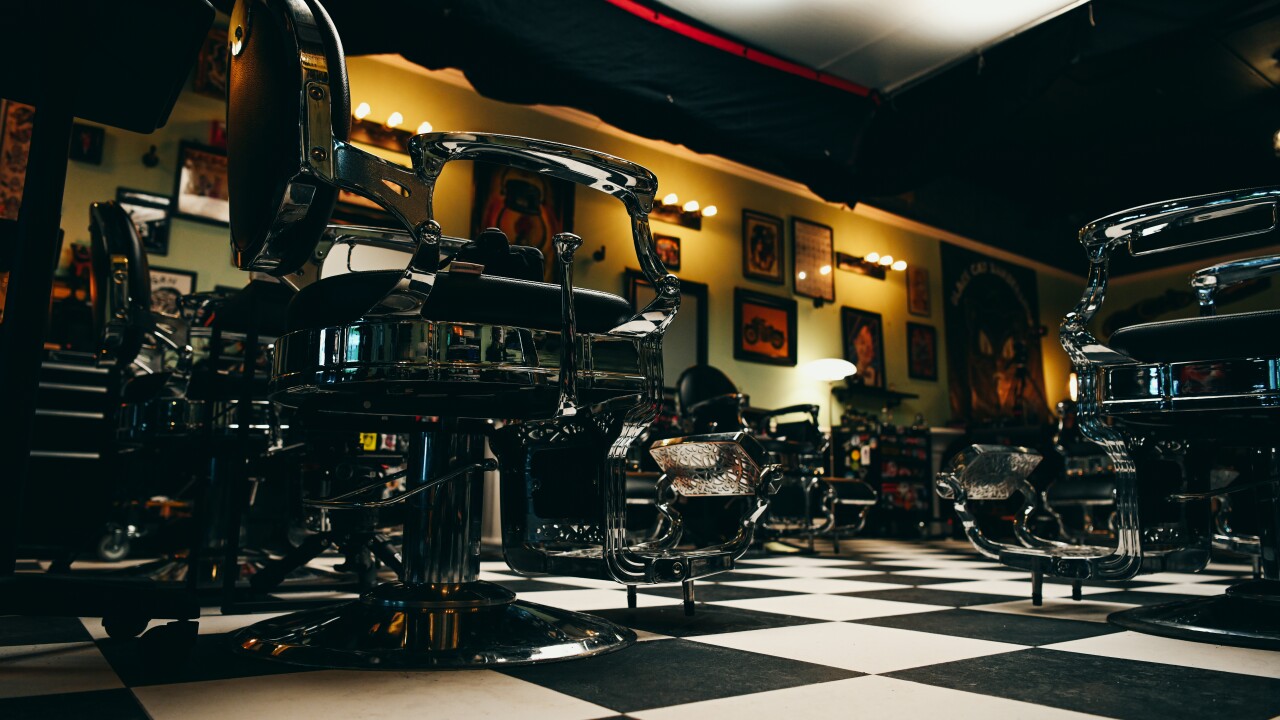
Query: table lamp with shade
column 830, row 371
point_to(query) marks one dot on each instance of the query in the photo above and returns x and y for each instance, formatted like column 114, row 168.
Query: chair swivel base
column 398, row 626
column 1247, row 615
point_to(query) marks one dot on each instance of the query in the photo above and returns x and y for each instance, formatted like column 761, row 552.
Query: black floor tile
column 899, row 579
column 708, row 619
column 210, row 659
column 1137, row 597
column 660, row 673
column 98, row 705
column 523, row 585
column 999, row 627
column 710, row 592
column 1107, row 686
column 24, row 630
column 952, row 598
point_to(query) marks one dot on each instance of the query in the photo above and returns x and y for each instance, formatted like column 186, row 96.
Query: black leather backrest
column 701, row 382
column 264, row 127
column 112, row 232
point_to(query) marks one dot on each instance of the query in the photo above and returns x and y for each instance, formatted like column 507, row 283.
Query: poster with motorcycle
column 764, row 328
column 530, row 208
column 994, row 364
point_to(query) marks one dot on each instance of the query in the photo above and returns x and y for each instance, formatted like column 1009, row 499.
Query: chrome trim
column 1208, row 281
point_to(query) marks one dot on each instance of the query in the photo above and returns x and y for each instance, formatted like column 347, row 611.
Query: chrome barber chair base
column 1248, row 615
column 397, row 626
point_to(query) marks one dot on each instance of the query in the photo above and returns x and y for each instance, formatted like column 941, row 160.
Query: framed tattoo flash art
column 762, row 257
column 813, row 260
column 922, row 352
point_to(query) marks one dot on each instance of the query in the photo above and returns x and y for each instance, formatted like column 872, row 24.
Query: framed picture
column 922, row 351
column 668, row 248
column 764, row 328
column 862, row 334
column 918, row 291
column 685, row 344
column 762, row 247
column 86, row 143
column 167, row 288
column 200, row 188
column 530, row 208
column 813, row 260
column 150, row 215
column 16, row 123
column 211, row 66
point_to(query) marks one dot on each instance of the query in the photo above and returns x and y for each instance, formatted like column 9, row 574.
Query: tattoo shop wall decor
column 668, row 249
column 685, row 343
column 167, row 288
column 200, row 187
column 918, row 300
column 762, row 247
column 150, row 215
column 994, row 365
column 211, row 66
column 764, row 328
column 16, row 123
column 86, row 143
column 528, row 207
column 813, row 260
column 862, row 335
column 922, row 352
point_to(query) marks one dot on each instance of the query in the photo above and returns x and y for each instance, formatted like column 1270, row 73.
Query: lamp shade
column 829, row 369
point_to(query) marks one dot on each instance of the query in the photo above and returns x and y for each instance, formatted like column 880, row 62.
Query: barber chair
column 1166, row 401
column 1081, row 499
column 559, row 380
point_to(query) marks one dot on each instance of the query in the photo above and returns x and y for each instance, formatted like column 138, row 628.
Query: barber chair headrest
column 499, row 258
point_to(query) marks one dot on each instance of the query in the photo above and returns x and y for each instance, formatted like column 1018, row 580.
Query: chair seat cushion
column 1241, row 335
column 343, row 299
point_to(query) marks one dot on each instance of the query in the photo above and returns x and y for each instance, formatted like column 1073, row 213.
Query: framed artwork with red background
column 764, row 328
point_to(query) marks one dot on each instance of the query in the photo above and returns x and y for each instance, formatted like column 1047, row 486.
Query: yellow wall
column 711, row 256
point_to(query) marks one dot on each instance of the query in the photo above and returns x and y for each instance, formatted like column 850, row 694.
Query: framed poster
column 685, row 343
column 813, row 260
column 86, row 143
column 668, row 249
column 211, row 66
column 918, row 291
column 168, row 286
column 922, row 352
column 530, row 208
column 764, row 328
column 200, row 187
column 17, row 121
column 862, row 335
column 150, row 215
column 762, row 247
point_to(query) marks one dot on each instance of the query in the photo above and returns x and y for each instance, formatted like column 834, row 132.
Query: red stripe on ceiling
column 730, row 46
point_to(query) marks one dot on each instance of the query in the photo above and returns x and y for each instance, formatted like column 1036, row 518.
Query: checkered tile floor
column 888, row 629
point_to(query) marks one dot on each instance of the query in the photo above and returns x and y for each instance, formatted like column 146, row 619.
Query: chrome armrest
column 991, row 472
column 1208, row 281
column 811, row 410
column 728, row 398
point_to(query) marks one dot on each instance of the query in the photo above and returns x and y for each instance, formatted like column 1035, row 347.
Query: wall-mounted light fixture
column 690, row 214
column 873, row 264
column 388, row 135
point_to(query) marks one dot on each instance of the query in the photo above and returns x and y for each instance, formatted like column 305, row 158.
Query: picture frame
column 764, row 328
column 813, row 260
column 87, row 142
column 210, row 78
column 862, row 338
column 150, row 214
column 530, row 208
column 668, row 249
column 17, row 121
column 200, row 185
column 918, row 300
column 762, row 245
column 168, row 286
column 685, row 342
column 922, row 352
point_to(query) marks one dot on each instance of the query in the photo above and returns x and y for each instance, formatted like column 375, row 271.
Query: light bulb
column 802, row 275
column 872, row 257
column 709, row 211
column 670, row 199
column 394, row 120
column 899, row 265
column 424, row 128
column 362, row 110
column 1073, row 386
column 691, row 206
column 886, row 259
column 825, row 270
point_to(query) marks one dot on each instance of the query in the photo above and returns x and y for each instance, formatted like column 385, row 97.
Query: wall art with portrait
column 862, row 334
column 530, row 208
column 762, row 242
column 922, row 352
column 168, row 286
column 211, row 66
column 150, row 215
column 685, row 343
column 200, row 187
column 764, row 328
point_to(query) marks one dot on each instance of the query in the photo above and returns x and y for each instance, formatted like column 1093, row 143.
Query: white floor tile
column 1057, row 608
column 862, row 697
column 593, row 583
column 495, row 566
column 806, row 571
column 930, row 563
column 1151, row 648
column 590, row 599
column 1016, row 588
column 825, row 586
column 348, row 695
column 799, row 561
column 498, row 577
column 958, row 573
column 863, row 648
column 54, row 668
column 831, row 607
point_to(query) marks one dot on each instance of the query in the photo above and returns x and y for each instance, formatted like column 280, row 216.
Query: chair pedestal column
column 438, row 614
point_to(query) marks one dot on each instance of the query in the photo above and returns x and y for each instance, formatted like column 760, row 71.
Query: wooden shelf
column 891, row 398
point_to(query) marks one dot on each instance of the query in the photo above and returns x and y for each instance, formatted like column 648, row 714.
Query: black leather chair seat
column 494, row 300
column 1082, row 490
column 261, row 304
column 1242, row 335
